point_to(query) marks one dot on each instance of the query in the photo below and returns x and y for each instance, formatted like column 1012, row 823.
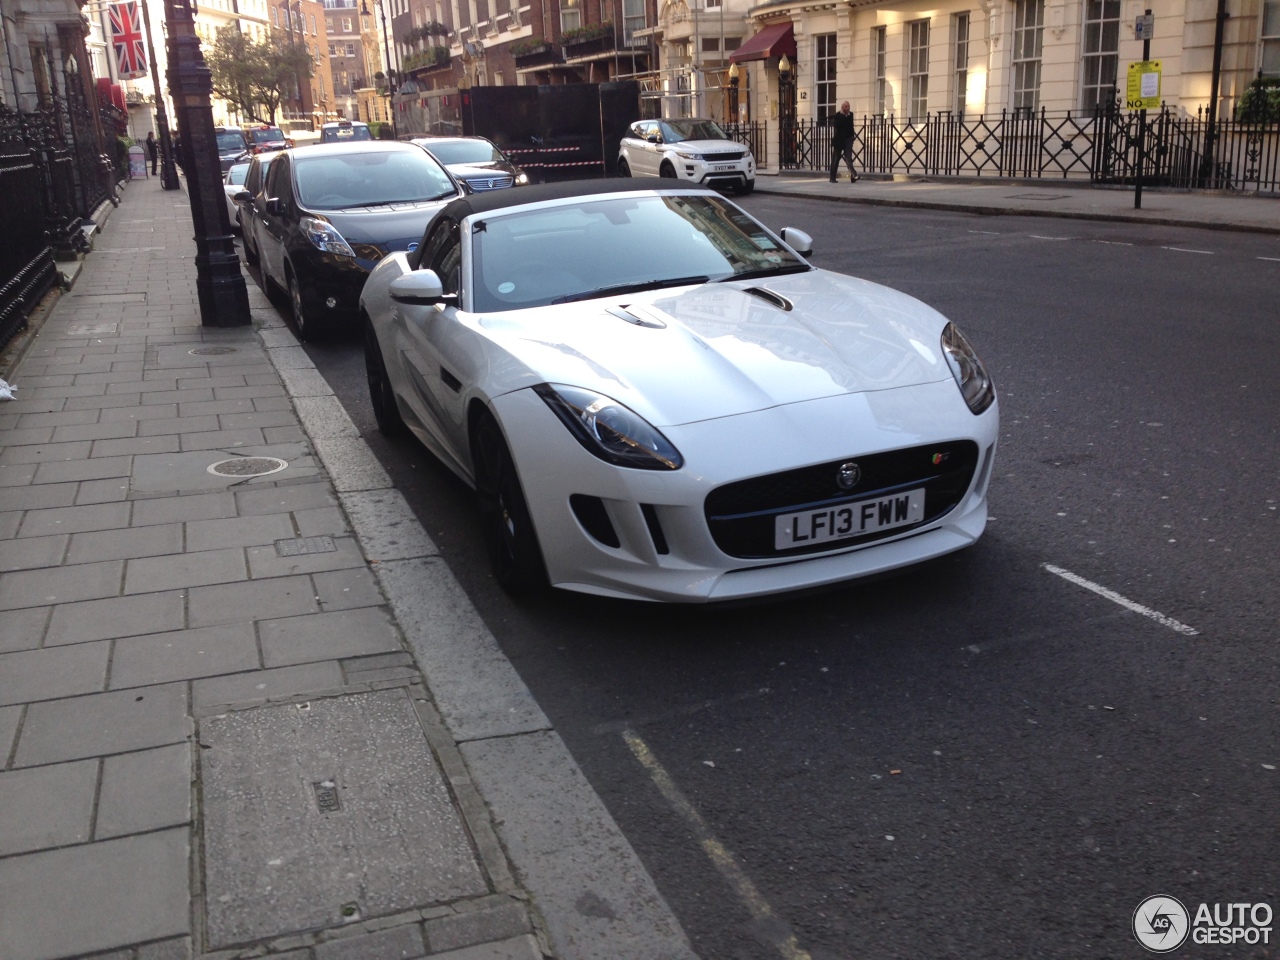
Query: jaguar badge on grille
column 848, row 475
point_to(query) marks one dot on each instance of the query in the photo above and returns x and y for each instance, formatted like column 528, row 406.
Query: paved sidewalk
column 245, row 709
column 1041, row 198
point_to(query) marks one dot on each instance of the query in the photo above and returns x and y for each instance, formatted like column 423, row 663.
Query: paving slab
column 145, row 574
column 71, row 901
column 312, row 809
column 23, row 629
column 8, row 728
column 33, row 552
column 47, row 806
column 53, row 672
column 144, row 791
column 115, row 617
column 148, row 541
column 327, row 636
column 346, row 589
column 73, row 519
column 250, row 600
column 184, row 655
column 84, row 581
column 238, row 532
column 101, row 724
column 324, row 677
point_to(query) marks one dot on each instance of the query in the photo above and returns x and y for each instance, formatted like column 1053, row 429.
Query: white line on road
column 1128, row 604
column 783, row 939
column 1036, row 236
column 1114, row 243
column 1270, row 259
column 1186, row 250
column 989, row 233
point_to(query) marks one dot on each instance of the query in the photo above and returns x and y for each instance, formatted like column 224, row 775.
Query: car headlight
column 975, row 384
column 688, row 155
column 522, row 179
column 324, row 237
column 609, row 430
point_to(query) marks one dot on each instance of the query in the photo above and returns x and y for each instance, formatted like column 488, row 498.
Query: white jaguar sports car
column 657, row 397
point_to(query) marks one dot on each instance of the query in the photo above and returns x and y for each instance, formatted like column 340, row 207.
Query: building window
column 633, row 19
column 346, row 24
column 1101, row 53
column 570, row 19
column 1270, row 59
column 824, row 74
column 1028, row 42
column 917, row 69
column 879, row 81
column 961, row 63
column 333, row 49
column 351, row 49
column 275, row 17
column 328, row 24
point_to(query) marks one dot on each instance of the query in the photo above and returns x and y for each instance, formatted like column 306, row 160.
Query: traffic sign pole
column 1144, row 30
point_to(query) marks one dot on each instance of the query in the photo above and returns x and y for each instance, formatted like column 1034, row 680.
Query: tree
column 253, row 76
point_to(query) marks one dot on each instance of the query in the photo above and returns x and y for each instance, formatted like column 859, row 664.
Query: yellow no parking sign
column 1142, row 92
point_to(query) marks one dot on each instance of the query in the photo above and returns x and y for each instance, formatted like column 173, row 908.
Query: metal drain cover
column 213, row 351
column 247, row 466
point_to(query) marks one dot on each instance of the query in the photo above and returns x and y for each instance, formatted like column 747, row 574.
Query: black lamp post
column 220, row 287
column 168, row 169
column 733, row 93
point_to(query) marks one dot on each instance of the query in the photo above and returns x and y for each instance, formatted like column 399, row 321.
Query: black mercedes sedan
column 330, row 212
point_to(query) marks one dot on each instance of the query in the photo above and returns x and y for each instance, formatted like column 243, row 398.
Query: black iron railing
column 752, row 134
column 1101, row 147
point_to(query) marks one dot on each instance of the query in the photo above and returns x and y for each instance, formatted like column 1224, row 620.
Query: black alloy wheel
column 624, row 168
column 509, row 538
column 667, row 171
column 305, row 324
column 381, row 396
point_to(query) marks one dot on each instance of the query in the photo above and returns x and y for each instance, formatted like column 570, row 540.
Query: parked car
column 250, row 203
column 690, row 149
column 344, row 130
column 329, row 212
column 264, row 139
column 475, row 161
column 655, row 396
column 232, row 186
column 233, row 146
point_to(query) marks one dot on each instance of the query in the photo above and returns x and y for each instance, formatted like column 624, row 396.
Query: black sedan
column 330, row 212
column 475, row 161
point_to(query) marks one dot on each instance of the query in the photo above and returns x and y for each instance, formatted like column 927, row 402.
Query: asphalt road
column 985, row 757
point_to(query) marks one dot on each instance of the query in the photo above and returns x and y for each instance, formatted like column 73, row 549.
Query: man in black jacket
column 842, row 141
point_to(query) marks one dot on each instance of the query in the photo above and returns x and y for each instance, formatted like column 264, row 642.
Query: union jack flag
column 128, row 40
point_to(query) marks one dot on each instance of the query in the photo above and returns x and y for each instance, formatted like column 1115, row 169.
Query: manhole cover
column 247, row 466
column 213, row 351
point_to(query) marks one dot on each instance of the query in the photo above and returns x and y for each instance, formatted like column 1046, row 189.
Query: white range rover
column 687, row 149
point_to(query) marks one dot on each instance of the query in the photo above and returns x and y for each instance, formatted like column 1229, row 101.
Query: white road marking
column 1270, row 259
column 1114, row 243
column 989, row 233
column 1036, row 236
column 723, row 860
column 1187, row 250
column 1128, row 604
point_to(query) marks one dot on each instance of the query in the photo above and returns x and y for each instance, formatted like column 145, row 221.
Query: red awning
column 773, row 41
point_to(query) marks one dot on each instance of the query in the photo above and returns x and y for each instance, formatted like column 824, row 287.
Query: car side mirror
column 421, row 288
column 653, row 138
column 244, row 196
column 274, row 206
column 797, row 240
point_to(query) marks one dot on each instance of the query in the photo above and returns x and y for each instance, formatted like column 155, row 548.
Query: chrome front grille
column 490, row 183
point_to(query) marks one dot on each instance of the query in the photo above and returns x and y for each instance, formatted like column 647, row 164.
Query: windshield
column 346, row 131
column 581, row 250
column 674, row 131
column 230, row 142
column 464, row 151
column 365, row 177
column 273, row 135
column 237, row 173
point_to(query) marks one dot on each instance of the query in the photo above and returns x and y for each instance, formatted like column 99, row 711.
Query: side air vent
column 655, row 528
column 594, row 518
column 779, row 301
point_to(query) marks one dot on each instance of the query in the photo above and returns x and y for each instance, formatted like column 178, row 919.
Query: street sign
column 1142, row 91
column 1144, row 28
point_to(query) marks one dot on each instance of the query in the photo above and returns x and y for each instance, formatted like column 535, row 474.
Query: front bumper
column 330, row 284
column 665, row 550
